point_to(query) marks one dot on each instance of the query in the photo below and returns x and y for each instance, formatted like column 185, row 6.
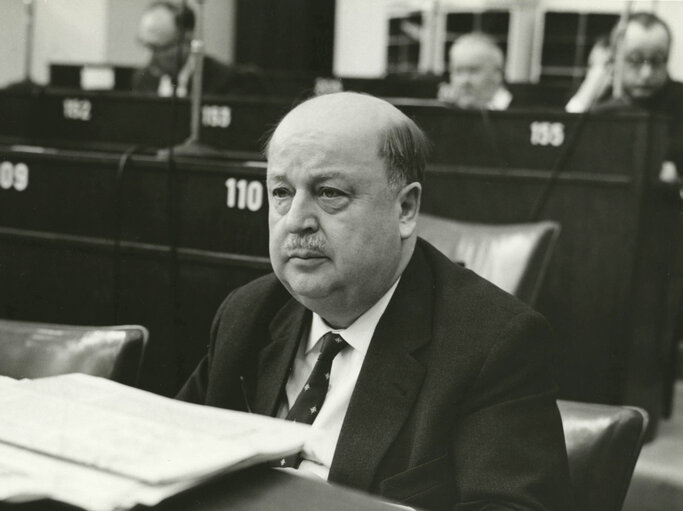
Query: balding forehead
column 344, row 115
column 157, row 25
column 339, row 107
column 656, row 33
column 479, row 47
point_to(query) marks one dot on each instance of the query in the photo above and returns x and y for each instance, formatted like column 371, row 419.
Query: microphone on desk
column 192, row 146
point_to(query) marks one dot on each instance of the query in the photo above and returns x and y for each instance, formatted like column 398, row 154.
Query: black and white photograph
column 341, row 255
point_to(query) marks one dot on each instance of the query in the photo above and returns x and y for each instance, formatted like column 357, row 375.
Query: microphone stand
column 28, row 50
column 192, row 145
column 26, row 84
column 618, row 78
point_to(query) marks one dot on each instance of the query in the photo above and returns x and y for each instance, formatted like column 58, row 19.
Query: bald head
column 362, row 121
column 157, row 27
column 480, row 45
column 166, row 30
column 476, row 70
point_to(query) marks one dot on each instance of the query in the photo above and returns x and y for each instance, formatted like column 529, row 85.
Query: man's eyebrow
column 276, row 177
column 326, row 175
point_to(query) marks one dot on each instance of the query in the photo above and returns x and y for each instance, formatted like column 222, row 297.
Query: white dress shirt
column 501, row 100
column 165, row 88
column 318, row 451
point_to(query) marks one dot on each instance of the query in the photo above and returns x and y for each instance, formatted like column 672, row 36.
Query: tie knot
column 332, row 344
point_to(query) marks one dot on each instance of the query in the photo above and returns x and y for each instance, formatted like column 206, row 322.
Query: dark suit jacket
column 217, row 78
column 454, row 405
column 667, row 101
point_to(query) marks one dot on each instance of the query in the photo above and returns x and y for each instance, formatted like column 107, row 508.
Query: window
column 567, row 40
column 405, row 33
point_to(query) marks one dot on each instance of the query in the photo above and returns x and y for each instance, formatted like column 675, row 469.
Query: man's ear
column 409, row 200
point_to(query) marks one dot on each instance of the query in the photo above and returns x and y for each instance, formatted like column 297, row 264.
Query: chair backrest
column 35, row 350
column 603, row 444
column 514, row 256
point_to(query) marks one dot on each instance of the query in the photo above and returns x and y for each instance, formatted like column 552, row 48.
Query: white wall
column 65, row 30
column 93, row 31
column 360, row 38
column 220, row 28
column 68, row 31
column 12, row 41
column 672, row 12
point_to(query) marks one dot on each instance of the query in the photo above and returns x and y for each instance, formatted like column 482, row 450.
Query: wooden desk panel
column 80, row 246
column 116, row 121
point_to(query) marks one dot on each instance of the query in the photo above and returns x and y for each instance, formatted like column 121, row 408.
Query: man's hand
column 598, row 79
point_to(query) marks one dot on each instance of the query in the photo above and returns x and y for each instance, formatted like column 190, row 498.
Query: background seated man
column 646, row 44
column 166, row 29
column 476, row 74
column 423, row 382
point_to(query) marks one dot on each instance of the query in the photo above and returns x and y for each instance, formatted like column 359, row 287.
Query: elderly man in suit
column 423, row 382
column 476, row 69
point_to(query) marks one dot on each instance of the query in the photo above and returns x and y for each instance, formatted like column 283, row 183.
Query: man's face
column 159, row 34
column 475, row 76
column 646, row 52
column 333, row 220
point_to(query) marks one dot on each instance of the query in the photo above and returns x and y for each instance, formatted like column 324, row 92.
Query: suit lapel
column 275, row 358
column 389, row 381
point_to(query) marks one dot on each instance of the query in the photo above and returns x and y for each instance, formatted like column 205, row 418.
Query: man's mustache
column 308, row 243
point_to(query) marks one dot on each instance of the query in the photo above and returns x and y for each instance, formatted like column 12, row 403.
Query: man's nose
column 302, row 215
column 461, row 78
column 645, row 70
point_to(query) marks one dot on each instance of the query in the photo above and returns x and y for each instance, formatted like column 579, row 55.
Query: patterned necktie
column 311, row 398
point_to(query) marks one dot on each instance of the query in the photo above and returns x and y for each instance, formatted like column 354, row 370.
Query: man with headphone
column 166, row 30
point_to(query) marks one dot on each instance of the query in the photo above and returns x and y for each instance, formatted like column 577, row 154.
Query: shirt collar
column 359, row 333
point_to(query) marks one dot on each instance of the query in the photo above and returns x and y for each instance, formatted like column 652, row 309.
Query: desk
column 116, row 121
column 254, row 489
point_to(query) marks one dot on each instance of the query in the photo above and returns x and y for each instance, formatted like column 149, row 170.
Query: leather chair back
column 35, row 350
column 514, row 257
column 603, row 444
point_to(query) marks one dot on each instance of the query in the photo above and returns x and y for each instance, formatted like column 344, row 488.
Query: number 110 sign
column 243, row 194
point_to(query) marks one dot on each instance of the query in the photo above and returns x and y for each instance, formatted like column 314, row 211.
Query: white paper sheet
column 103, row 446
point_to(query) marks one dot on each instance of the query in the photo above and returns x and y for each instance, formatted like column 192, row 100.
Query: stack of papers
column 103, row 446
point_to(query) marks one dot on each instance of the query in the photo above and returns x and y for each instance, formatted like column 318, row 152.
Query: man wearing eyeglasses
column 646, row 83
column 166, row 30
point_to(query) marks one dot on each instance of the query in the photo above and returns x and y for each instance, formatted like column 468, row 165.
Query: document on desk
column 103, row 446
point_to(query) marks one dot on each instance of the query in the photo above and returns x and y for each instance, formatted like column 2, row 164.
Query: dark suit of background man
column 166, row 30
column 443, row 397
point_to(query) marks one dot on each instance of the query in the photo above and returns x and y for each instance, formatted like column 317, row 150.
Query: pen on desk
column 243, row 385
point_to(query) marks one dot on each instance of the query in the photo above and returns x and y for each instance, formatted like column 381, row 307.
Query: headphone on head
column 183, row 15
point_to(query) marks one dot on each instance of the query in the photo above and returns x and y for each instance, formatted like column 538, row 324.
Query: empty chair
column 514, row 256
column 35, row 350
column 603, row 444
